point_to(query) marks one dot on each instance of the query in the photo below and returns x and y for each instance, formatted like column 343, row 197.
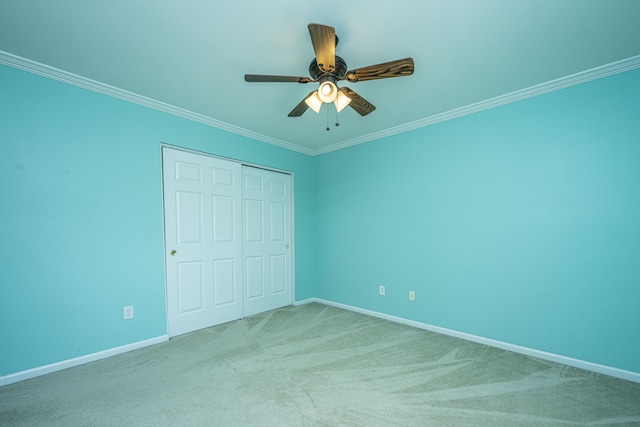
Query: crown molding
column 93, row 85
column 553, row 85
column 105, row 89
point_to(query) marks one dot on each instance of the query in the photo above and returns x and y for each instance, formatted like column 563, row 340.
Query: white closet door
column 267, row 240
column 203, row 235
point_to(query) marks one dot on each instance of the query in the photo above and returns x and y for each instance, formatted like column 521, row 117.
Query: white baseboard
column 577, row 363
column 58, row 366
column 307, row 301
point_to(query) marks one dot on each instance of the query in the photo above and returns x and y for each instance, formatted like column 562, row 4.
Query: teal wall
column 519, row 224
column 81, row 217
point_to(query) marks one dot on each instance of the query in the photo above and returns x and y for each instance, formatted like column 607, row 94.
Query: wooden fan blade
column 399, row 68
column 324, row 45
column 358, row 103
column 301, row 107
column 259, row 78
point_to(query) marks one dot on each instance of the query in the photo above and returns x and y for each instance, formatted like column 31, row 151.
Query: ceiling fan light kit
column 327, row 91
column 328, row 69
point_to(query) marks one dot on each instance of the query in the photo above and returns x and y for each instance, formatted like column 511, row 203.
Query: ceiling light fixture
column 328, row 91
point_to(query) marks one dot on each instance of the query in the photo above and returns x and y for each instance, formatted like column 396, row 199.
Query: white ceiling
column 193, row 54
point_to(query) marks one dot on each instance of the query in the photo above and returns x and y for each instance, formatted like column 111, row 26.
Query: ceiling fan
column 328, row 69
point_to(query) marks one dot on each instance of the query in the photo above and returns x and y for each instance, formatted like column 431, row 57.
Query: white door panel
column 267, row 240
column 203, row 220
column 190, row 290
column 254, row 277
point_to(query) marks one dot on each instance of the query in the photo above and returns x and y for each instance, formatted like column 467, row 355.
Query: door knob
column 173, row 252
column 286, row 247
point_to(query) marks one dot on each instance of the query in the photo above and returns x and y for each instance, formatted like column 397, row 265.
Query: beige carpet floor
column 315, row 365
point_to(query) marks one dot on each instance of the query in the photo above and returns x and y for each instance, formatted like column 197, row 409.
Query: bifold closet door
column 267, row 219
column 203, row 237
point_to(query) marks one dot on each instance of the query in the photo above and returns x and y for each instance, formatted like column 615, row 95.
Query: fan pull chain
column 337, row 119
column 327, row 119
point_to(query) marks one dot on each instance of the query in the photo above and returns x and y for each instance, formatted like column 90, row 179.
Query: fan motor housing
column 339, row 71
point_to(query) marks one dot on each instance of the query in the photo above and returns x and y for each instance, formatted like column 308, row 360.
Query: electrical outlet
column 412, row 295
column 128, row 312
column 381, row 290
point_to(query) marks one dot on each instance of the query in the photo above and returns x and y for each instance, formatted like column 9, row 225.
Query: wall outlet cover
column 128, row 312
